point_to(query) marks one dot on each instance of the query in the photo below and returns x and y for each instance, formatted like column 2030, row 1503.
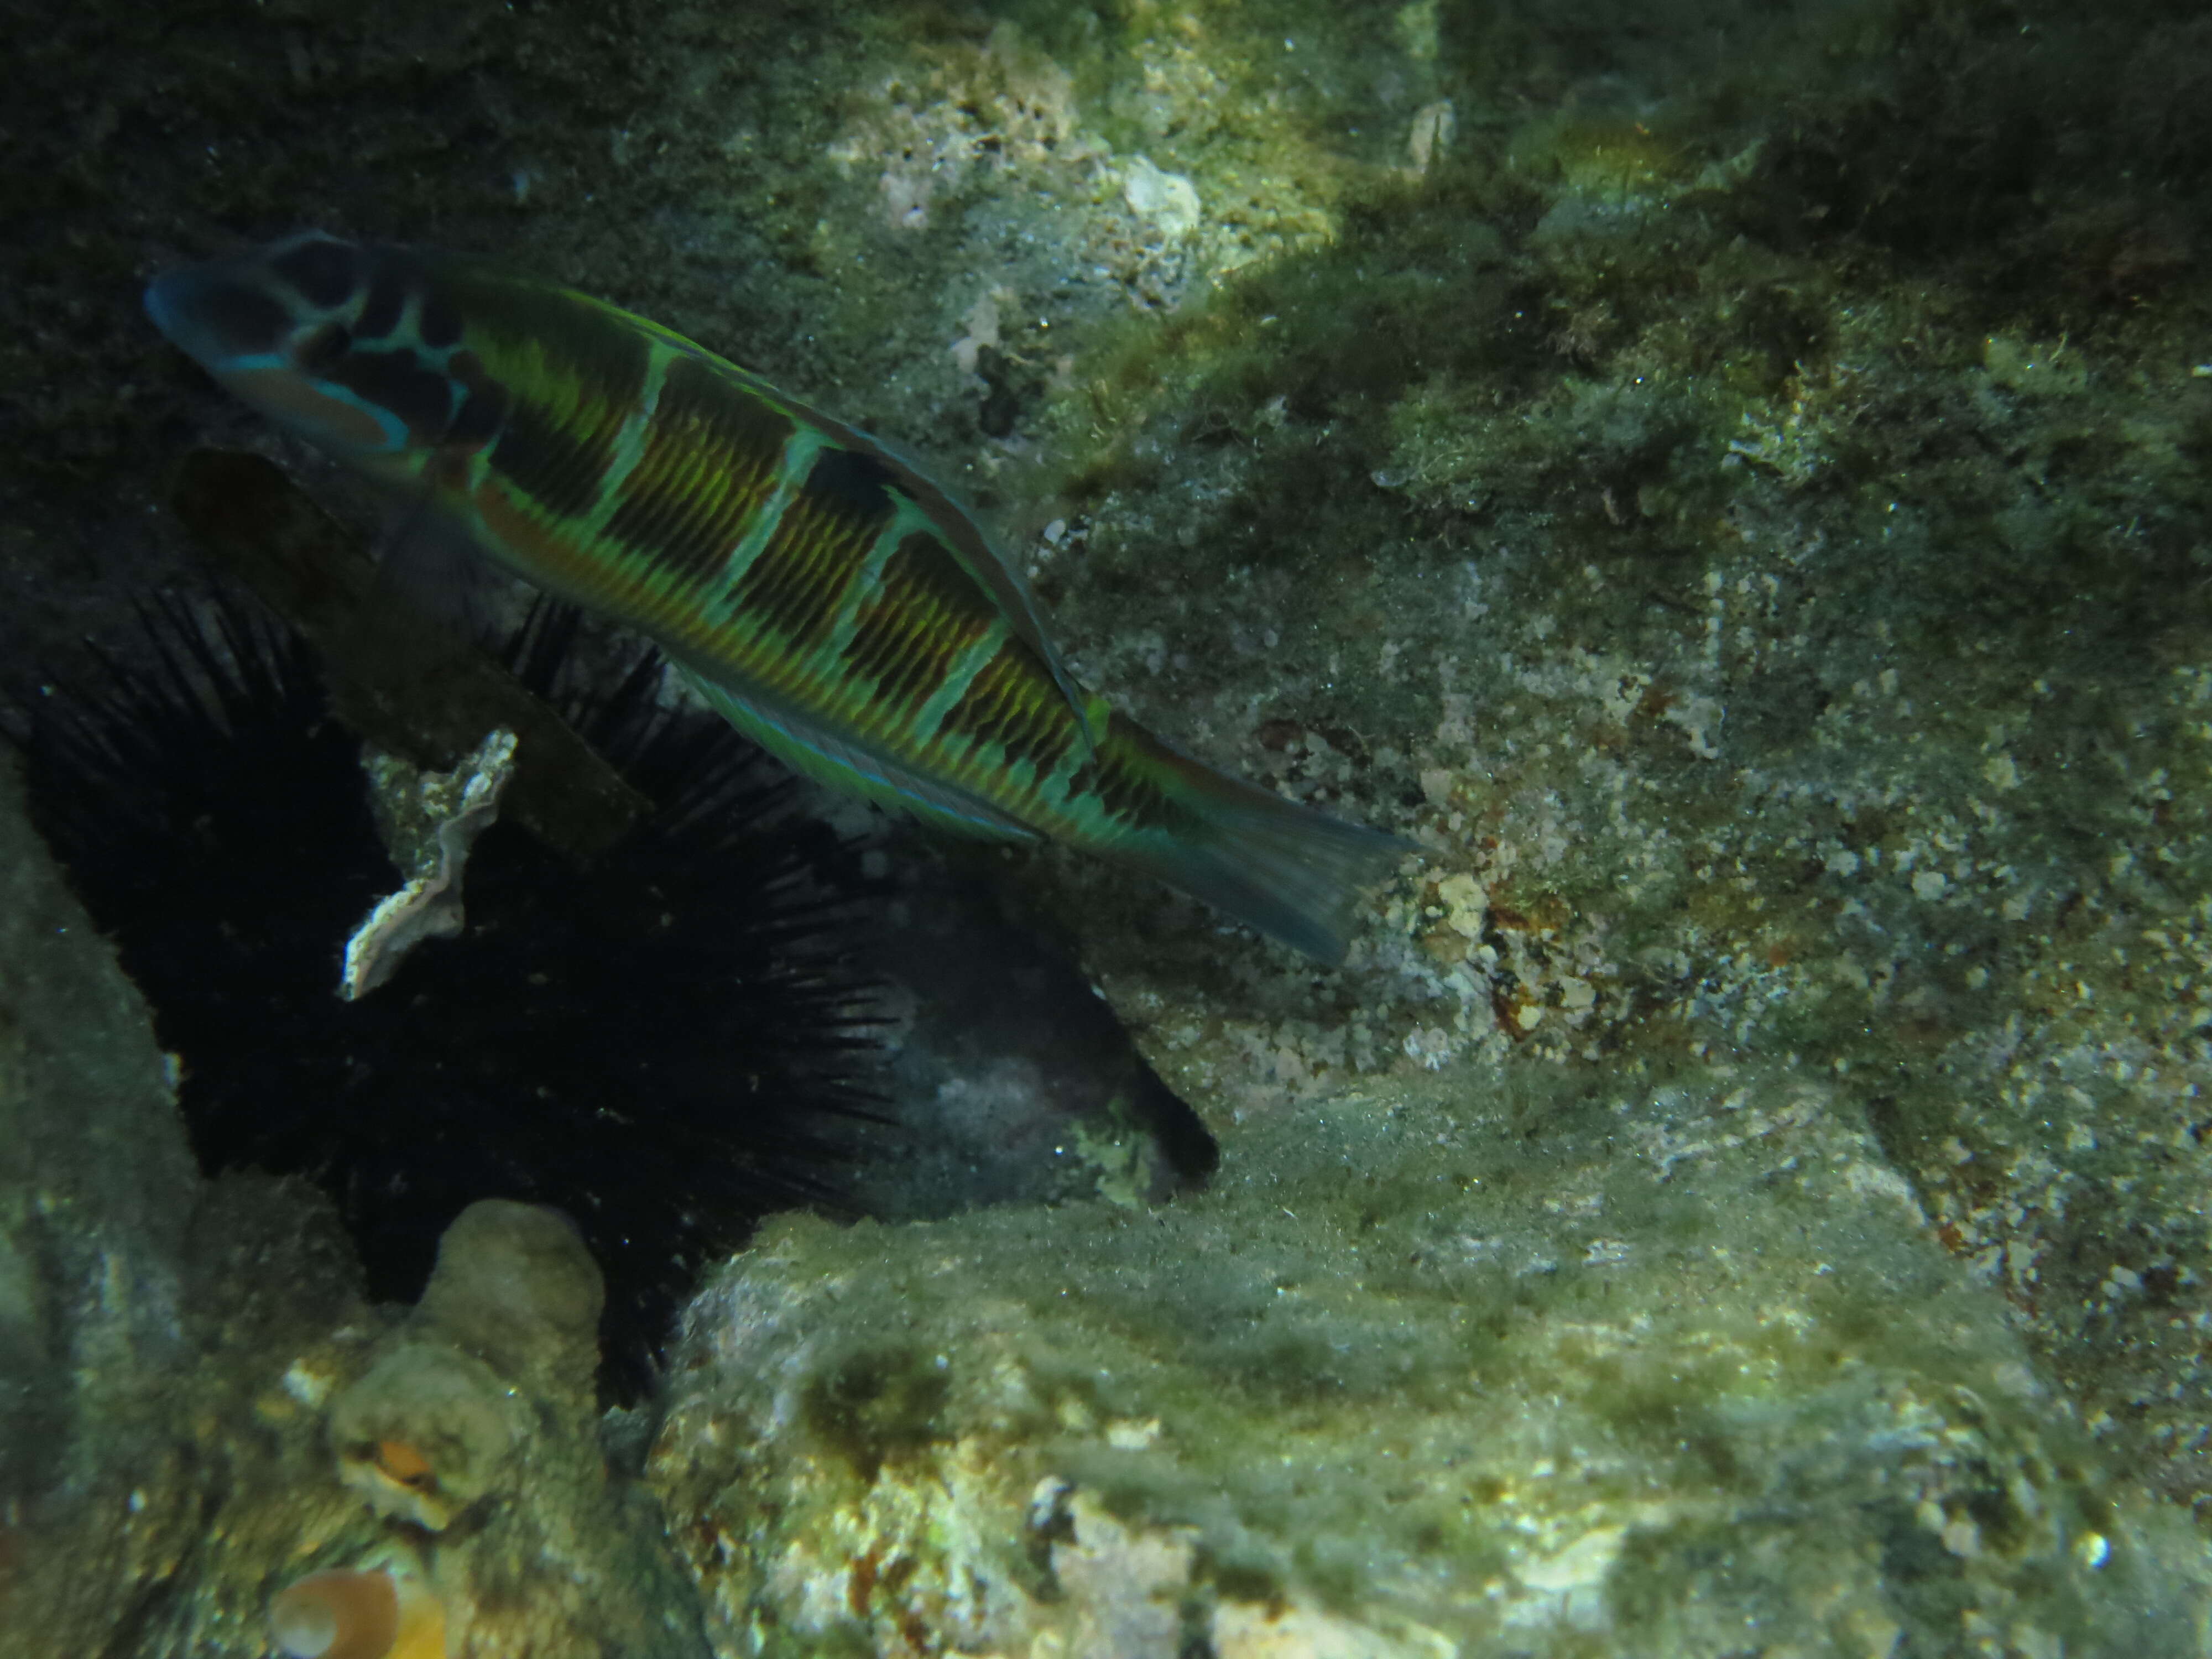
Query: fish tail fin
column 1292, row 872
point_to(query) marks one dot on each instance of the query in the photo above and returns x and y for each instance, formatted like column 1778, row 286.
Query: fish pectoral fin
column 427, row 564
column 814, row 750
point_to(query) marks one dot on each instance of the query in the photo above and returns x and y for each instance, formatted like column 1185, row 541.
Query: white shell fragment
column 1435, row 126
column 1168, row 199
column 456, row 806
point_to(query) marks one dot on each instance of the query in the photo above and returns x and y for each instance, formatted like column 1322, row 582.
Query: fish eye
column 325, row 347
column 320, row 269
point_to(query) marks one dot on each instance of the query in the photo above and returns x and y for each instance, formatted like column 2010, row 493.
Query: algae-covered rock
column 156, row 1455
column 515, row 1284
column 427, row 1434
column 475, row 1430
column 1629, row 1373
column 96, row 1191
column 96, row 1185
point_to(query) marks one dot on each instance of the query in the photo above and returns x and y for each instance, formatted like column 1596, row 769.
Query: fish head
column 351, row 345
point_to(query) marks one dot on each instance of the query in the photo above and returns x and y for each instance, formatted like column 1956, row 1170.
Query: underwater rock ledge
column 1413, row 1377
column 96, row 1188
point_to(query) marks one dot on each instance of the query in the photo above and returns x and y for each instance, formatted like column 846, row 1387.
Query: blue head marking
column 277, row 327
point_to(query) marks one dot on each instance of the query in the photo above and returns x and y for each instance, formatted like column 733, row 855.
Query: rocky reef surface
column 1729, row 482
column 1631, row 1371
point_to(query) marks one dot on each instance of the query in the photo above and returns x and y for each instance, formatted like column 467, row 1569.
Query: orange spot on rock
column 402, row 1463
column 343, row 1614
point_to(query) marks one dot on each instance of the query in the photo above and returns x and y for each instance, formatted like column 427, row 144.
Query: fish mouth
column 219, row 317
column 164, row 300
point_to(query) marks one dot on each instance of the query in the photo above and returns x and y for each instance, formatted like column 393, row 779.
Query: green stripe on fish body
column 818, row 583
column 821, row 593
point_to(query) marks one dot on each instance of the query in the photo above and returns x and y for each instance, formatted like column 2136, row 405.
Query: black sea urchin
column 660, row 1045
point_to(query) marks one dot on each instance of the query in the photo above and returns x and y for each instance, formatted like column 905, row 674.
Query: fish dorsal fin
column 807, row 746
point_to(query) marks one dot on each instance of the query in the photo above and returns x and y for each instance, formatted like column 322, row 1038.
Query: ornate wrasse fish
column 823, row 595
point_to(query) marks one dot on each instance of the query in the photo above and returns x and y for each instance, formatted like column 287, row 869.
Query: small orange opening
column 403, row 1463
